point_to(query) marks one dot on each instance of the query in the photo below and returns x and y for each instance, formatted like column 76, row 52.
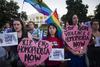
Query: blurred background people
column 36, row 33
column 7, row 27
column 93, row 49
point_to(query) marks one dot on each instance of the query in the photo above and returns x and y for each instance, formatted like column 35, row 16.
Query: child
column 52, row 36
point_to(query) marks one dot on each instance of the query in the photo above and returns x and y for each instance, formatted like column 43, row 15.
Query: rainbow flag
column 40, row 6
column 55, row 14
column 53, row 19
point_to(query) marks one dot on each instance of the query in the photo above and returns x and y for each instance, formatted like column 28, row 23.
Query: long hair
column 21, row 22
column 48, row 33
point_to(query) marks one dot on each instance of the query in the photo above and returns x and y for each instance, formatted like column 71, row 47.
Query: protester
column 93, row 49
column 4, row 50
column 77, row 58
column 36, row 33
column 7, row 27
column 57, row 43
column 18, row 27
column 3, row 54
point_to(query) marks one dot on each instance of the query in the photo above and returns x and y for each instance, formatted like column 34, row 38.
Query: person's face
column 67, row 24
column 31, row 26
column 75, row 19
column 7, row 25
column 17, row 26
column 95, row 25
column 52, row 30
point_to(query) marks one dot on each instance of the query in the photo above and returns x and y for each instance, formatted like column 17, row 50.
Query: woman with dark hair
column 52, row 37
column 18, row 27
column 77, row 58
column 49, row 31
column 94, row 49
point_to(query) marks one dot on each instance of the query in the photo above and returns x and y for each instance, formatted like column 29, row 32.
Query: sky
column 60, row 5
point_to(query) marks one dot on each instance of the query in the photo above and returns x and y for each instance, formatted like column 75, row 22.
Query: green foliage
column 9, row 11
column 97, row 12
column 23, row 15
column 75, row 7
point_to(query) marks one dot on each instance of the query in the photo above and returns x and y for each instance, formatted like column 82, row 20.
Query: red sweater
column 59, row 44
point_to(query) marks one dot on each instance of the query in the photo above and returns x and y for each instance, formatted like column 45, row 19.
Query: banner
column 40, row 6
column 57, row 54
column 97, row 42
column 32, row 54
column 76, row 37
column 8, row 39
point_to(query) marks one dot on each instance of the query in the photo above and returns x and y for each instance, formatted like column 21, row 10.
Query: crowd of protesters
column 89, row 57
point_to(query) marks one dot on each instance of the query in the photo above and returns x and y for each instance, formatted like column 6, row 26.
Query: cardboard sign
column 32, row 54
column 1, row 39
column 76, row 37
column 97, row 42
column 57, row 54
column 8, row 39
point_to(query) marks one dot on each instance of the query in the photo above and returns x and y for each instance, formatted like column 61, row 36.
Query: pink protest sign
column 32, row 54
column 76, row 37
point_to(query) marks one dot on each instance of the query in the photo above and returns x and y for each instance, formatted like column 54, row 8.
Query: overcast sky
column 59, row 4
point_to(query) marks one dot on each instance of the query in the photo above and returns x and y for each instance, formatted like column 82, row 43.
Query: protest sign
column 8, row 39
column 88, row 23
column 1, row 39
column 32, row 54
column 76, row 37
column 57, row 54
column 97, row 42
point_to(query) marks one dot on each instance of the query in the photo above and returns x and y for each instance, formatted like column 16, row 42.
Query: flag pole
column 22, row 5
column 22, row 10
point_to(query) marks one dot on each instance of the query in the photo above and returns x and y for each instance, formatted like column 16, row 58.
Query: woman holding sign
column 18, row 27
column 94, row 47
column 74, row 52
column 57, row 43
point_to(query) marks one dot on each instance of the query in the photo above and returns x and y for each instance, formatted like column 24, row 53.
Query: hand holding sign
column 77, row 38
column 33, row 54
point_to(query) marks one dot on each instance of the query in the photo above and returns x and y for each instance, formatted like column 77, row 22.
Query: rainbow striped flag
column 53, row 19
column 40, row 6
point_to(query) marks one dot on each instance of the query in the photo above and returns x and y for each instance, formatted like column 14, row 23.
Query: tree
column 75, row 7
column 90, row 17
column 23, row 15
column 9, row 11
column 97, row 12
